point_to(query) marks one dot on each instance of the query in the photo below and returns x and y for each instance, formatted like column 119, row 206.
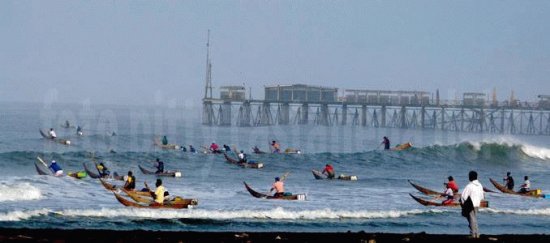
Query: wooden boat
column 95, row 175
column 58, row 140
column 148, row 199
column 300, row 197
column 532, row 193
column 41, row 170
column 432, row 192
column 176, row 204
column 402, row 146
column 165, row 173
column 483, row 204
column 78, row 174
column 292, row 151
column 244, row 165
column 256, row 150
column 166, row 146
column 111, row 187
column 320, row 176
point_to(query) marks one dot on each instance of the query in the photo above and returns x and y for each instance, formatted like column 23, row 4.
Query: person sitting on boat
column 160, row 166
column 191, row 149
column 164, row 140
column 130, row 182
column 279, row 187
column 158, row 194
column 67, row 124
column 526, row 186
column 226, row 148
column 329, row 171
column 52, row 133
column 103, row 170
column 449, row 193
column 214, row 148
column 79, row 131
column 509, row 180
column 386, row 143
column 452, row 184
column 275, row 147
column 242, row 157
column 183, row 148
column 56, row 169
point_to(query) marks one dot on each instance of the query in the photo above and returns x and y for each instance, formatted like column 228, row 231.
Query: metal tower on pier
column 208, row 116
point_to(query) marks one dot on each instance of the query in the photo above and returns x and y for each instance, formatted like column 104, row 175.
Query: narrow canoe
column 483, row 204
column 320, row 176
column 148, row 199
column 504, row 189
column 166, row 173
column 166, row 146
column 58, row 140
column 169, row 205
column 257, row 151
column 244, row 165
column 402, row 146
column 300, row 197
column 432, row 192
column 40, row 169
column 91, row 173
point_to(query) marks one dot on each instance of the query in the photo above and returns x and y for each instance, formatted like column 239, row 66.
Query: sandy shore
column 54, row 235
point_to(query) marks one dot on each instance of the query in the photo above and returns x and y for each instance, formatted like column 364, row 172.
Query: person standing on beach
column 509, row 181
column 470, row 200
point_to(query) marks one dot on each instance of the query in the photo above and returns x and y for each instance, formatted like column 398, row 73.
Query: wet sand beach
column 56, row 235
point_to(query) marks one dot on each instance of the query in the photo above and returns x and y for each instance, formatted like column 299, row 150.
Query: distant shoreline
column 94, row 235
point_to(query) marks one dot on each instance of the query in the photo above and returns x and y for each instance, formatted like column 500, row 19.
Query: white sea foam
column 531, row 212
column 536, row 152
column 277, row 213
column 19, row 192
column 22, row 215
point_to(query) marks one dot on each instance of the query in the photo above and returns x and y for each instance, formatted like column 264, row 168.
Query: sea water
column 122, row 137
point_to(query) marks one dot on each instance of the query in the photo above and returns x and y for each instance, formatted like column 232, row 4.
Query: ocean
column 378, row 201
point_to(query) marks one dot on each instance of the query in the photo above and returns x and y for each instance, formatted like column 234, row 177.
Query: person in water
column 164, row 140
column 192, row 149
column 160, row 166
column 452, row 184
column 130, row 183
column 275, row 147
column 56, row 169
column 279, row 187
column 158, row 194
column 329, row 171
column 103, row 170
column 242, row 157
column 449, row 193
column 509, row 180
column 526, row 186
column 52, row 133
column 386, row 143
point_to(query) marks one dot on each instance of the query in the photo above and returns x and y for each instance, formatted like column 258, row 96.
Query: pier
column 299, row 104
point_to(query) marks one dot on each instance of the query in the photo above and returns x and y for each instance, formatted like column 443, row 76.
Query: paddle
column 42, row 161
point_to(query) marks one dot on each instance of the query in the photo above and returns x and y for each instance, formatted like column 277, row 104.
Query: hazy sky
column 134, row 52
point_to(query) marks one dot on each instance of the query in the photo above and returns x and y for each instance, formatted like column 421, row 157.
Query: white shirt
column 52, row 134
column 526, row 184
column 474, row 190
column 241, row 156
column 449, row 192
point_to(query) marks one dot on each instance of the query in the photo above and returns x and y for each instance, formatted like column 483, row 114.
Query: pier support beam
column 305, row 114
column 363, row 115
column 383, row 116
column 345, row 114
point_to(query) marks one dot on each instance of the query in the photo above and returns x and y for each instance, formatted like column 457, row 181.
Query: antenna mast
column 208, row 78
